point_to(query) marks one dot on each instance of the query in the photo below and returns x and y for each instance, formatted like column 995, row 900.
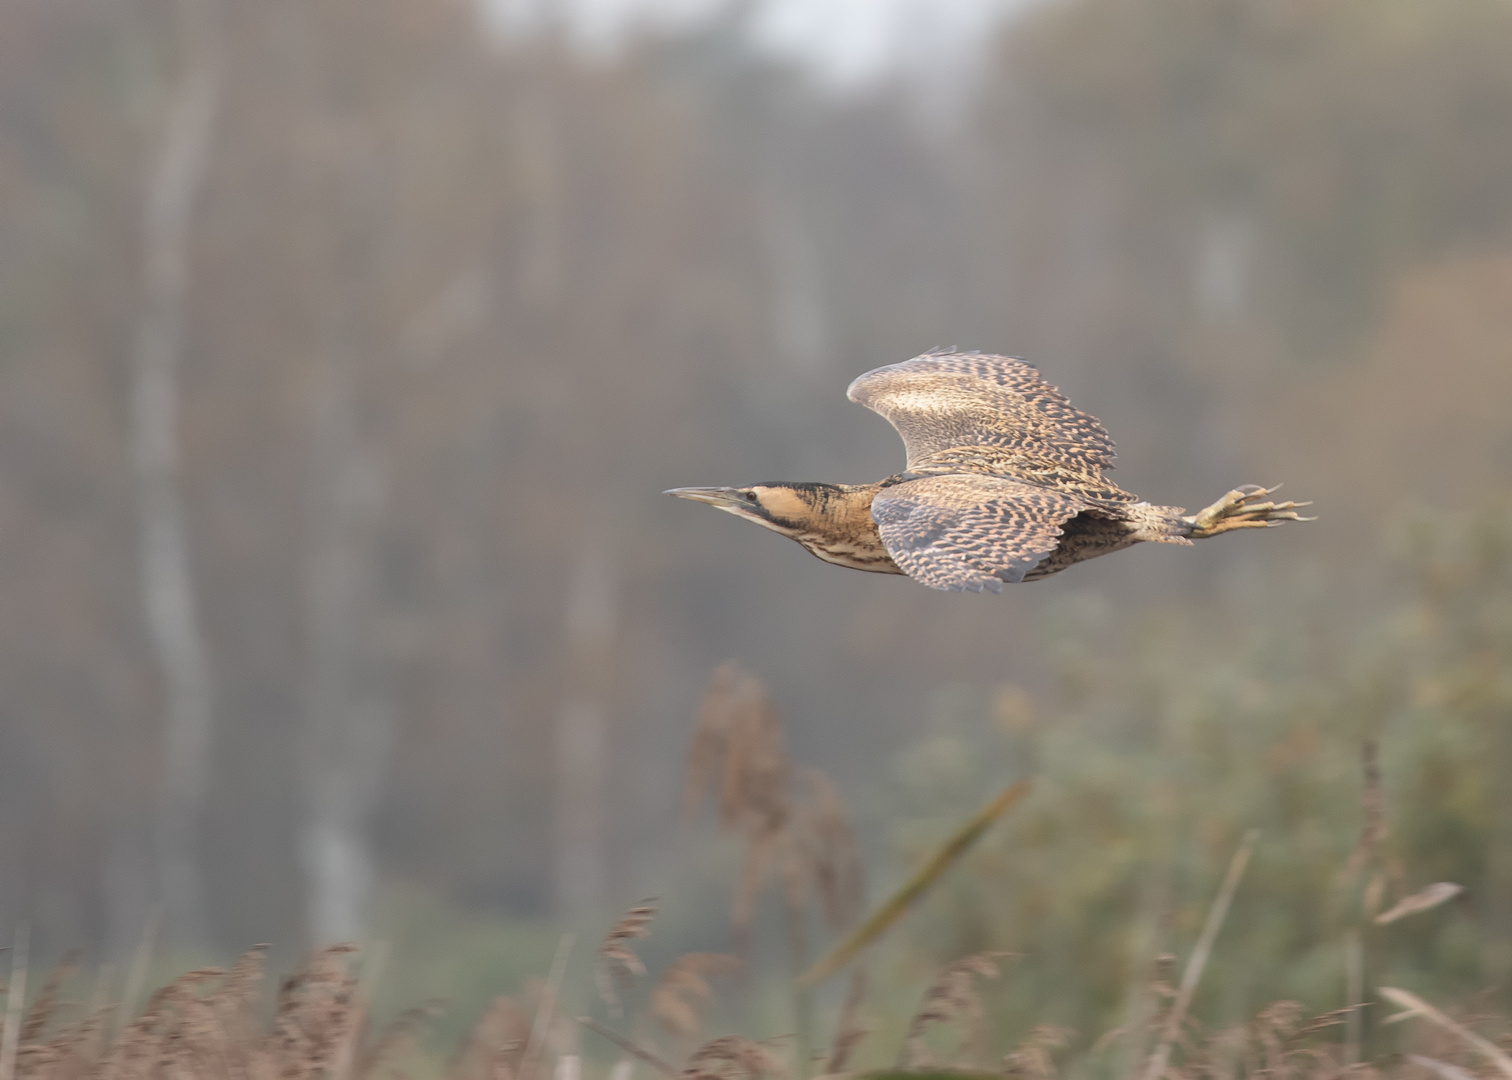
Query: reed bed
column 318, row 1021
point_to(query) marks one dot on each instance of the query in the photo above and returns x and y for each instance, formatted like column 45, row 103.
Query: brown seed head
column 615, row 965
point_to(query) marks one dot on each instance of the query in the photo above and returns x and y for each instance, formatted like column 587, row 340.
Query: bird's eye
column 749, row 496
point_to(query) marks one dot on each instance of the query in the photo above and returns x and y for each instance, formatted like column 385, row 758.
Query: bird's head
column 783, row 508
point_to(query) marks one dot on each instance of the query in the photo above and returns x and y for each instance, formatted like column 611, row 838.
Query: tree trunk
column 167, row 581
column 582, row 736
column 349, row 720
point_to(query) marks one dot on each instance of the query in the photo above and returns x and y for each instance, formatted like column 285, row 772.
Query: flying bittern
column 1004, row 483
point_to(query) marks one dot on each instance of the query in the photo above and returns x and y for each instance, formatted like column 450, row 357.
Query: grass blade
column 878, row 922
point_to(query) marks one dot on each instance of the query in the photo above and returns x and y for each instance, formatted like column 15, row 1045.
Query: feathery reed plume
column 493, row 1047
column 848, row 1030
column 165, row 1032
column 314, row 1011
column 738, row 738
column 1275, row 1045
column 732, row 1058
column 206, row 1024
column 348, row 1060
column 1034, row 1058
column 916, row 886
column 1274, row 1030
column 753, row 798
column 615, row 964
column 950, row 1000
column 684, row 988
column 711, row 733
column 398, row 1035
column 1373, row 810
column 72, row 1053
column 792, row 820
column 824, row 845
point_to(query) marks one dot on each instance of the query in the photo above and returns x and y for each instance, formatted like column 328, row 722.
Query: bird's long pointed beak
column 714, row 496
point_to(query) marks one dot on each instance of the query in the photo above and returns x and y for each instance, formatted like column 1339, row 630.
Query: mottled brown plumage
column 1004, row 483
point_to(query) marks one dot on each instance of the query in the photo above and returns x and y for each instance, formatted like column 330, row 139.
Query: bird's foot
column 1246, row 507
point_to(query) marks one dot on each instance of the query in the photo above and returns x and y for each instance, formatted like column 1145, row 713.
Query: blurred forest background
column 346, row 345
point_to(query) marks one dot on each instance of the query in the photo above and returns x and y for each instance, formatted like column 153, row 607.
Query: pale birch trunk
column 167, row 580
column 349, row 718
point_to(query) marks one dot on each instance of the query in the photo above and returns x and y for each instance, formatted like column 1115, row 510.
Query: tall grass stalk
column 916, row 886
column 1189, row 978
column 1354, row 990
column 15, row 1000
column 1416, row 1006
column 545, row 1009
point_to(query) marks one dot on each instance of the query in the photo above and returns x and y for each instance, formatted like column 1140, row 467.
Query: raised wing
column 944, row 401
column 967, row 532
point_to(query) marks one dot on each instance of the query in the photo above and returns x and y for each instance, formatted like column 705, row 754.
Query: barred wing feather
column 942, row 401
column 969, row 532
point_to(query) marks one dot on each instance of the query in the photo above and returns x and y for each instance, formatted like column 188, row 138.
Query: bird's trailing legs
column 1246, row 507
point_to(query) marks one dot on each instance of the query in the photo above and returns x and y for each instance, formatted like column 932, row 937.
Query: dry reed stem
column 684, row 988
column 916, row 885
column 1198, row 960
column 1033, row 1058
column 1443, row 1068
column 1267, row 1047
column 42, row 1009
column 141, row 961
column 615, row 963
column 951, row 999
column 530, row 1059
column 848, row 1030
column 15, row 999
column 1373, row 809
column 630, row 1047
column 348, row 1059
column 1416, row 1006
column 1423, row 900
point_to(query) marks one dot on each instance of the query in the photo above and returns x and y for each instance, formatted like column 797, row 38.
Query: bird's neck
column 834, row 522
column 821, row 507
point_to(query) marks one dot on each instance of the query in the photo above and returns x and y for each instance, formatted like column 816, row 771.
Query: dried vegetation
column 219, row 1023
